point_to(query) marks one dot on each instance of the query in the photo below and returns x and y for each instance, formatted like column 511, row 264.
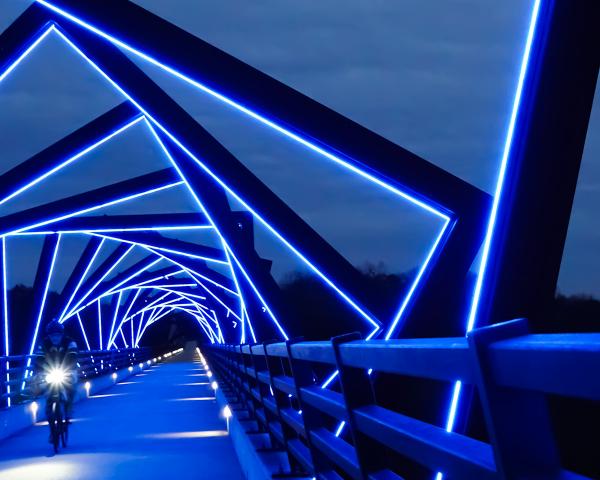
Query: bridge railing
column 512, row 370
column 16, row 370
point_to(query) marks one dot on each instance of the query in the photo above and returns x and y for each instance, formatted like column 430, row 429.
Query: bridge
column 195, row 363
column 158, row 421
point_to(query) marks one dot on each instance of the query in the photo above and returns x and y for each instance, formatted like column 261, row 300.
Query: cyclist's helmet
column 55, row 327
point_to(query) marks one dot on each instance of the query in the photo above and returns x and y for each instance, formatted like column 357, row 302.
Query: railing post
column 236, row 376
column 248, row 384
column 275, row 368
column 517, row 420
column 258, row 363
column 357, row 390
column 312, row 418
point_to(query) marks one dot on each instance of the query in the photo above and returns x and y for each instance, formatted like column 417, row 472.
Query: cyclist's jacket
column 64, row 354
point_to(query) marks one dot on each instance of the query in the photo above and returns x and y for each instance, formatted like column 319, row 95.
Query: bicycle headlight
column 56, row 376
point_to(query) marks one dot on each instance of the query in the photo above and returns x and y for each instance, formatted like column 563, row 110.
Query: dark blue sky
column 438, row 81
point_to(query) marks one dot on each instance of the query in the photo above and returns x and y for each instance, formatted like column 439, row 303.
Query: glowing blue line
column 123, row 337
column 162, row 249
column 137, row 293
column 83, row 331
column 453, row 408
column 503, row 165
column 111, row 339
column 257, row 293
column 70, row 160
column 237, row 285
column 133, row 229
column 496, row 204
column 106, row 274
column 264, row 121
column 137, row 337
column 25, row 53
column 230, row 253
column 96, row 207
column 153, row 321
column 100, row 324
column 140, row 271
column 245, row 110
column 81, row 281
column 132, row 339
column 41, row 310
column 104, row 295
column 5, row 315
column 195, row 274
column 340, row 428
column 416, row 282
column 219, row 300
column 262, row 220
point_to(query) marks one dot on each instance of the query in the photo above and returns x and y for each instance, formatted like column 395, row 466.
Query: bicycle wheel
column 54, row 421
column 64, row 434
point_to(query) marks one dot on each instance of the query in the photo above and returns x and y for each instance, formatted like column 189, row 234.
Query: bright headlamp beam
column 119, row 230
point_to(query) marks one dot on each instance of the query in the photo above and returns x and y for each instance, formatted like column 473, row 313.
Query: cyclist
column 57, row 351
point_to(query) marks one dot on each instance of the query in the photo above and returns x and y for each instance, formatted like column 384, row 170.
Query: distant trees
column 306, row 296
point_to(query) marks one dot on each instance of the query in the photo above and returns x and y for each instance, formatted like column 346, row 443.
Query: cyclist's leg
column 49, row 417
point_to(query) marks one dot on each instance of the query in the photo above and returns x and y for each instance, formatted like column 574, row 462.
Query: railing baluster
column 312, row 418
column 281, row 399
column 517, row 420
column 357, row 390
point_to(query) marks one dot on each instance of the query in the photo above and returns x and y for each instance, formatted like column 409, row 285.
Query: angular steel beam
column 124, row 223
column 41, row 164
column 45, row 214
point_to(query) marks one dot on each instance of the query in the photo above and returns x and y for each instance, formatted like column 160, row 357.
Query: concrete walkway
column 160, row 424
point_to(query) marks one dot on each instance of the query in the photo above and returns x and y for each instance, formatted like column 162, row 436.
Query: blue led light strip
column 99, row 325
column 472, row 319
column 41, row 310
column 246, row 205
column 228, row 252
column 83, row 332
column 114, row 320
column 106, row 274
column 5, row 318
column 81, row 279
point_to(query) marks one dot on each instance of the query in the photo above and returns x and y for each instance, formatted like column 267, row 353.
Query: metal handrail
column 275, row 385
column 15, row 373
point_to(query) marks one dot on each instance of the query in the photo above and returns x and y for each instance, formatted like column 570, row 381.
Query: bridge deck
column 156, row 425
